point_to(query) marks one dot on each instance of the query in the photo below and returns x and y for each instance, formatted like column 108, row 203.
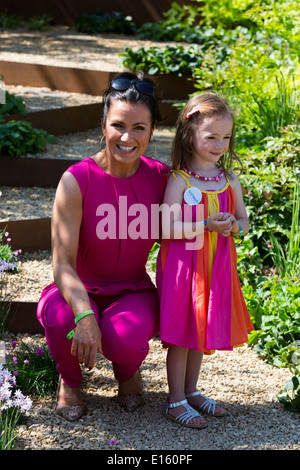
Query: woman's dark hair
column 132, row 95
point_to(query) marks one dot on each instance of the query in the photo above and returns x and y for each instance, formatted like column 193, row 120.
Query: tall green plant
column 287, row 261
column 273, row 114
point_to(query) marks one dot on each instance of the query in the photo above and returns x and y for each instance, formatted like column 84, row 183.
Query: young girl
column 202, row 306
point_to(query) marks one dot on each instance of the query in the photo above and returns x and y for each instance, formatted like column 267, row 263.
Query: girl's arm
column 240, row 210
column 66, row 220
column 172, row 225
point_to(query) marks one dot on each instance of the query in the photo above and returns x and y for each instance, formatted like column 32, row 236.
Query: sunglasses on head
column 144, row 87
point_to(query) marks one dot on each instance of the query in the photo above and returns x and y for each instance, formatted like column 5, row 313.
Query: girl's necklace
column 205, row 178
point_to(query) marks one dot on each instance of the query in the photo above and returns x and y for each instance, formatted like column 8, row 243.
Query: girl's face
column 211, row 139
column 127, row 130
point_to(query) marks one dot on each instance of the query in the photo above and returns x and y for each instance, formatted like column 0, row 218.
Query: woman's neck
column 119, row 170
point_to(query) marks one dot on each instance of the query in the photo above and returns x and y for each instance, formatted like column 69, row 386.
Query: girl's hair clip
column 194, row 111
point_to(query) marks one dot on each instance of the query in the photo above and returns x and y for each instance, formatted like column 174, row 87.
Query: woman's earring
column 154, row 152
column 101, row 142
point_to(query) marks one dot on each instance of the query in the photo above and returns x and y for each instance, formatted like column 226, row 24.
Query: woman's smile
column 125, row 148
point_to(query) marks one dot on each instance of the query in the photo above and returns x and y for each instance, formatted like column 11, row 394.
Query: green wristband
column 82, row 315
column 77, row 318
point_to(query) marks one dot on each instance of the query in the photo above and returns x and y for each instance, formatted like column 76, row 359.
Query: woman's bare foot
column 69, row 401
column 130, row 394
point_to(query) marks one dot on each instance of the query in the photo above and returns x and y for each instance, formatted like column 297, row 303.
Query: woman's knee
column 128, row 325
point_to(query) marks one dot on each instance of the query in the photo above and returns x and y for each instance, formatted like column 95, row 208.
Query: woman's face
column 127, row 130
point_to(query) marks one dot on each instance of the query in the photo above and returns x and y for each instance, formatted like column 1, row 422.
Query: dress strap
column 184, row 175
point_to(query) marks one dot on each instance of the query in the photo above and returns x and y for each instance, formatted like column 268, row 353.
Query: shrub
column 13, row 104
column 175, row 60
column 20, row 138
column 33, row 367
column 115, row 22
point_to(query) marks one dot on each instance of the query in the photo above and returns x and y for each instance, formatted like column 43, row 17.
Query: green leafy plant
column 13, row 104
column 175, row 60
column 271, row 114
column 153, row 256
column 275, row 310
column 8, row 263
column 115, row 22
column 289, row 396
column 9, row 21
column 287, row 259
column 20, row 138
column 226, row 13
column 39, row 23
column 178, row 25
column 34, row 368
column 8, row 257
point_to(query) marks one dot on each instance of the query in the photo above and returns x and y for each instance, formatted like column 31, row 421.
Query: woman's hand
column 221, row 223
column 86, row 341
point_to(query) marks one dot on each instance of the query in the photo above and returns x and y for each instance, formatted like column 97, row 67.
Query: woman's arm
column 66, row 220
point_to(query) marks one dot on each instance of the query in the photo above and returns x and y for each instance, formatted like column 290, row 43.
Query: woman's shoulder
column 81, row 171
column 81, row 166
column 154, row 164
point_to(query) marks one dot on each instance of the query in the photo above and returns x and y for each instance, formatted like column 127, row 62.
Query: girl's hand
column 221, row 223
column 87, row 341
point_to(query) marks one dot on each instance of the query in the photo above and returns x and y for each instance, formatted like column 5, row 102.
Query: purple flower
column 39, row 351
column 15, row 359
column 13, row 344
column 26, row 361
column 113, row 442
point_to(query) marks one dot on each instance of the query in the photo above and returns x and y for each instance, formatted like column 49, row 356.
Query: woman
column 102, row 232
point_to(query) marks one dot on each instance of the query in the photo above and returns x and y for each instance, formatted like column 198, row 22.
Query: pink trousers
column 126, row 322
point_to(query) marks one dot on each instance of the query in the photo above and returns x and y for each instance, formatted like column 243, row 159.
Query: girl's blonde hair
column 207, row 105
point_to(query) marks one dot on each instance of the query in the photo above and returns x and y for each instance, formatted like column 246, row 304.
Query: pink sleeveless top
column 120, row 223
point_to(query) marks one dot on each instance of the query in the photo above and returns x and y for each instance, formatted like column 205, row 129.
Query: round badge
column 192, row 196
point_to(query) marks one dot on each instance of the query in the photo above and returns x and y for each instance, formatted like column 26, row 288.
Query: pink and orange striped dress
column 202, row 305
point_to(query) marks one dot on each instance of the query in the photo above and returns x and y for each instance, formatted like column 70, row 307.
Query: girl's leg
column 177, row 368
column 194, row 361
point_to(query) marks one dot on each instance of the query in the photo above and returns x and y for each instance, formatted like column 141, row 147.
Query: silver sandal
column 208, row 406
column 184, row 418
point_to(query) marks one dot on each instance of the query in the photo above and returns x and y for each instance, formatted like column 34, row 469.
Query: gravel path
column 239, row 380
column 244, row 384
